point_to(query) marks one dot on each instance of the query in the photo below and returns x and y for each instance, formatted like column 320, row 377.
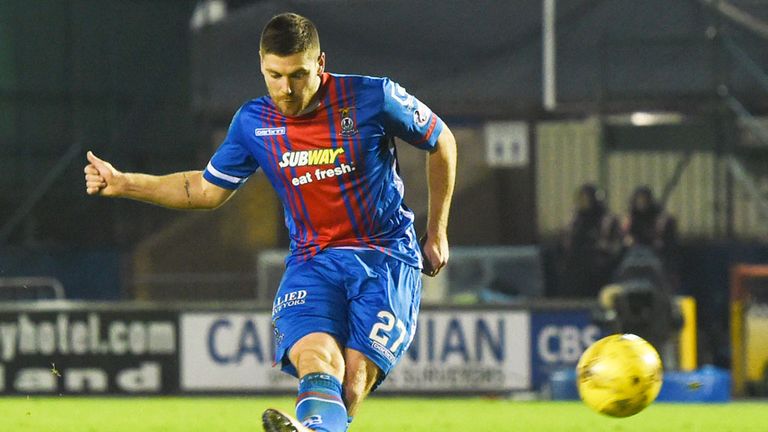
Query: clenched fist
column 101, row 178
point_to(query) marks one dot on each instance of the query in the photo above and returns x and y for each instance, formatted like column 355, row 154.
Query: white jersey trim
column 364, row 248
column 220, row 175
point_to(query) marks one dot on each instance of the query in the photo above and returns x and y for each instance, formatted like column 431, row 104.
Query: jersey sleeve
column 232, row 163
column 408, row 118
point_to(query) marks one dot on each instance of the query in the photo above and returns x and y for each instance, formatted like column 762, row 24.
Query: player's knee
column 318, row 357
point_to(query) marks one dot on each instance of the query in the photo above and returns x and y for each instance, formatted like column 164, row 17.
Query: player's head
column 291, row 61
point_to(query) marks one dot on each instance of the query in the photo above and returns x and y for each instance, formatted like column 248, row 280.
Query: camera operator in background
column 639, row 300
column 591, row 245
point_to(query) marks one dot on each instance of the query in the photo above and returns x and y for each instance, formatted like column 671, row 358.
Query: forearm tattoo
column 186, row 189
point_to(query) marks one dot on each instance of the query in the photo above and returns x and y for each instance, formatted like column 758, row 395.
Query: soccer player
column 346, row 308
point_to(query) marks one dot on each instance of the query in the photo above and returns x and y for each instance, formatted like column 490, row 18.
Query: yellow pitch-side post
column 688, row 334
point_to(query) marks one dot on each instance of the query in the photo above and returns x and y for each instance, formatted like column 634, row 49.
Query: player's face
column 292, row 81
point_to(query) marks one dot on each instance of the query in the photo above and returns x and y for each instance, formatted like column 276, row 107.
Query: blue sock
column 319, row 405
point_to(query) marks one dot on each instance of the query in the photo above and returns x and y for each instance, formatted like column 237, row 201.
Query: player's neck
column 312, row 105
column 314, row 101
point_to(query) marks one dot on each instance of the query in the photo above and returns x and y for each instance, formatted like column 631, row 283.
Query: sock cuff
column 320, row 381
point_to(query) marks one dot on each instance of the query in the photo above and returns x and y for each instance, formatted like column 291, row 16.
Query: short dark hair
column 288, row 34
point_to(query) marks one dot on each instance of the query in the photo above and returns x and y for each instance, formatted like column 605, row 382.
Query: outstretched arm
column 441, row 176
column 181, row 190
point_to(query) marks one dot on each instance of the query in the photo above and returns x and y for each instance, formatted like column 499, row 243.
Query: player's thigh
column 383, row 312
column 309, row 300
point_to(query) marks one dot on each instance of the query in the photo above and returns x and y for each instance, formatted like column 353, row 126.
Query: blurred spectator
column 590, row 246
column 647, row 224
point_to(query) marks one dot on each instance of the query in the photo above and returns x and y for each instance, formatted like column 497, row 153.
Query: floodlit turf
column 67, row 414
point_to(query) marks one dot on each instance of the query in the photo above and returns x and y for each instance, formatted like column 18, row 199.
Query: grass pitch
column 231, row 414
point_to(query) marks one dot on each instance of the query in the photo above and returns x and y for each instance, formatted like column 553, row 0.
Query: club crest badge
column 348, row 127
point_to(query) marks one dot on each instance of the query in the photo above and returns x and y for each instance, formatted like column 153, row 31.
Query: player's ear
column 321, row 63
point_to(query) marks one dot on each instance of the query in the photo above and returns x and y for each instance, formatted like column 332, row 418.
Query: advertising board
column 479, row 351
column 558, row 338
column 88, row 352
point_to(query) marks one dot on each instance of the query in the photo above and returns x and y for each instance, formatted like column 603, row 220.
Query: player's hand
column 434, row 251
column 101, row 178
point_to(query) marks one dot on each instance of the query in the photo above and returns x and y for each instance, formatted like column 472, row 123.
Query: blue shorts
column 366, row 299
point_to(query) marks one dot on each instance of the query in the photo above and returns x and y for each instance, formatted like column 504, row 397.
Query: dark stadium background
column 133, row 81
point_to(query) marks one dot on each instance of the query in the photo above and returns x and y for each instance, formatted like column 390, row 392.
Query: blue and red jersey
column 334, row 168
